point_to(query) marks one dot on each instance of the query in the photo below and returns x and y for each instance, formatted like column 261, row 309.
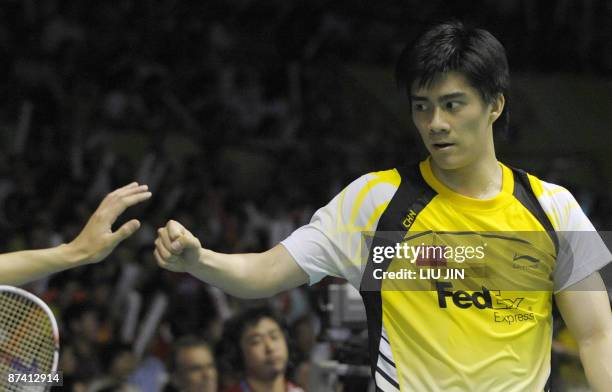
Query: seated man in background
column 254, row 342
column 193, row 367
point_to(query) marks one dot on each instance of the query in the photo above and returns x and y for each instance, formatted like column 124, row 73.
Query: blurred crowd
column 237, row 115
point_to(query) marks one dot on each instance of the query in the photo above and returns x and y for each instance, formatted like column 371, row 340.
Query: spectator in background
column 122, row 363
column 193, row 367
column 256, row 345
column 304, row 335
column 73, row 381
column 81, row 322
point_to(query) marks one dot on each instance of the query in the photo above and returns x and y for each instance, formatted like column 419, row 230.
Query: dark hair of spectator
column 187, row 342
column 76, row 311
column 453, row 46
column 229, row 349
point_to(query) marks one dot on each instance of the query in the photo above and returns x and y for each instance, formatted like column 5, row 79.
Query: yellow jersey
column 458, row 291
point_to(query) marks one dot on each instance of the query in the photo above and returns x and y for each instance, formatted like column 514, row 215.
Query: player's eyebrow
column 418, row 98
column 444, row 97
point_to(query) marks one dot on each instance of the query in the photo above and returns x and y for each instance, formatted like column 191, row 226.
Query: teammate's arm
column 585, row 308
column 248, row 275
column 93, row 243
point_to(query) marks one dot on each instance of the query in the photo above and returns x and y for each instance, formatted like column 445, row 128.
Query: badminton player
column 93, row 244
column 441, row 336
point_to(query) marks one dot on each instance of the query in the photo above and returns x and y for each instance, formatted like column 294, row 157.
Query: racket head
column 29, row 336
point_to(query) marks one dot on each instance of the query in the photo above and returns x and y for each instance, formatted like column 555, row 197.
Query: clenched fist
column 176, row 248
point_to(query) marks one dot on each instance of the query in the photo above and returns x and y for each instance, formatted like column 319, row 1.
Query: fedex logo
column 462, row 299
column 479, row 299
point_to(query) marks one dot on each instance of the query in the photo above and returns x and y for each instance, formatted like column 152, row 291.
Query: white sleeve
column 581, row 249
column 333, row 242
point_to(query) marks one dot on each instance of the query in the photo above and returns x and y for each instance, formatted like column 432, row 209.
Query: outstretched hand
column 176, row 247
column 97, row 239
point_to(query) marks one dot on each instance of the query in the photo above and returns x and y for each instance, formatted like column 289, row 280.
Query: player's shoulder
column 388, row 176
column 375, row 183
column 559, row 204
column 367, row 194
column 381, row 185
column 548, row 190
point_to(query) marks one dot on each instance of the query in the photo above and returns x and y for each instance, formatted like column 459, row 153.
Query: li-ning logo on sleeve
column 409, row 219
column 525, row 257
column 533, row 262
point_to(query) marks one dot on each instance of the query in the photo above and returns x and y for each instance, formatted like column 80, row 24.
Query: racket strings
column 27, row 342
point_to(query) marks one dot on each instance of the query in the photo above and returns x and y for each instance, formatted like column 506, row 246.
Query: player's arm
column 93, row 243
column 585, row 308
column 247, row 275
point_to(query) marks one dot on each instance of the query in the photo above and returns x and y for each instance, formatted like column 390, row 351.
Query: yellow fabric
column 470, row 344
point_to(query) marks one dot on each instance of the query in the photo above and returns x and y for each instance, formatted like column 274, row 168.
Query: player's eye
column 419, row 107
column 452, row 105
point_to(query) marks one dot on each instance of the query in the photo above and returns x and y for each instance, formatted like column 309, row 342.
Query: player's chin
column 448, row 161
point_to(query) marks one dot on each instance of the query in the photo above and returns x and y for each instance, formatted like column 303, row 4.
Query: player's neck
column 482, row 179
column 277, row 384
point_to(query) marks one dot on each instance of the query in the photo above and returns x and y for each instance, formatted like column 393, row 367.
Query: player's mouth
column 442, row 146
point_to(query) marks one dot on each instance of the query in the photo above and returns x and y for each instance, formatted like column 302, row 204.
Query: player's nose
column 437, row 122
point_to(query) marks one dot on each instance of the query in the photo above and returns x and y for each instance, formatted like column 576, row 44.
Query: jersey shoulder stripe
column 582, row 250
column 362, row 202
column 560, row 206
column 332, row 243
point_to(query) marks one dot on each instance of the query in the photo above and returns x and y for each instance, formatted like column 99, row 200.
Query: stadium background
column 244, row 116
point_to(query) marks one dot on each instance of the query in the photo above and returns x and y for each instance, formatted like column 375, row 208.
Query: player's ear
column 497, row 107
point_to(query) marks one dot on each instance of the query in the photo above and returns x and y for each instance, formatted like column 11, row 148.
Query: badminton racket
column 29, row 342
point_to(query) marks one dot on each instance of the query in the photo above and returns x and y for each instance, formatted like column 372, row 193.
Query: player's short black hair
column 453, row 46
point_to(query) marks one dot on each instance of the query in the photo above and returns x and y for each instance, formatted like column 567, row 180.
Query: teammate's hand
column 176, row 247
column 97, row 238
